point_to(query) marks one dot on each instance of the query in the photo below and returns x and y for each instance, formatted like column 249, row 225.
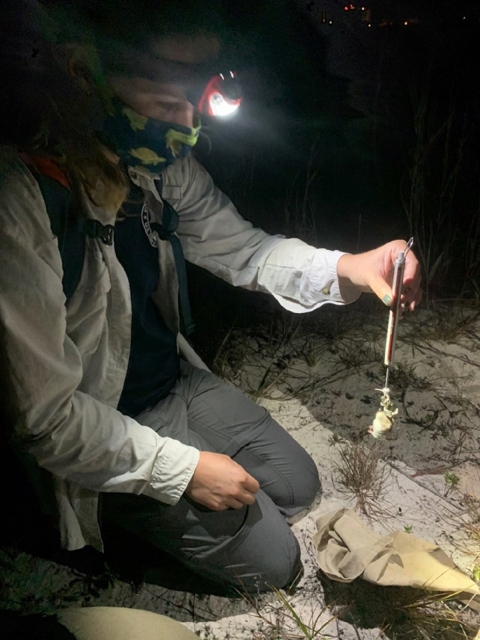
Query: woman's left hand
column 373, row 271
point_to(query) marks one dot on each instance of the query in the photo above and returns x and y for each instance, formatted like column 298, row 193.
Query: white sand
column 334, row 378
column 318, row 378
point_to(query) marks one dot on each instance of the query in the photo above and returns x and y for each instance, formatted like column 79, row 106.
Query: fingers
column 235, row 504
column 410, row 305
column 411, row 292
column 381, row 289
column 374, row 270
column 240, row 500
column 245, row 499
column 247, row 495
column 219, row 483
column 251, row 484
column 381, row 281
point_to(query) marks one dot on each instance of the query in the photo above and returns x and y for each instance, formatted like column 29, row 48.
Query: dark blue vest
column 154, row 363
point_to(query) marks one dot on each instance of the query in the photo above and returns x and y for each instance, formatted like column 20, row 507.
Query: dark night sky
column 423, row 9
column 353, row 90
column 324, row 91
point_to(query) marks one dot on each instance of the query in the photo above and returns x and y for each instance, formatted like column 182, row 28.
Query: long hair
column 42, row 109
column 43, row 112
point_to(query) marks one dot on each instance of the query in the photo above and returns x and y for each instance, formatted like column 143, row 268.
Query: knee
column 279, row 567
column 309, row 485
column 274, row 556
column 283, row 569
column 269, row 556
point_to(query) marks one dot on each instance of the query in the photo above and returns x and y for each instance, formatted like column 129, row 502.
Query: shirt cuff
column 340, row 295
column 172, row 471
column 318, row 284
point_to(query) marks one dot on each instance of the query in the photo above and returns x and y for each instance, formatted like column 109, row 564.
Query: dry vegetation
column 360, row 473
column 329, row 363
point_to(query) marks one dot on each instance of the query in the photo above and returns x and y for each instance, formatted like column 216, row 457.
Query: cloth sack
column 348, row 549
column 119, row 623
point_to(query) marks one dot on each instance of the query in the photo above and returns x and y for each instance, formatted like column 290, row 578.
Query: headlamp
column 222, row 96
column 211, row 93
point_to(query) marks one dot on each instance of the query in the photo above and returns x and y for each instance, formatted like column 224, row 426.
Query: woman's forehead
column 178, row 60
column 194, row 49
column 143, row 88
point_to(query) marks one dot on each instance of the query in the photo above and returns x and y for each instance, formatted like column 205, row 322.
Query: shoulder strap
column 167, row 231
column 65, row 223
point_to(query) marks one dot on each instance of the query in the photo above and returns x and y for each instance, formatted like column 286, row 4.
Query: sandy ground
column 318, row 376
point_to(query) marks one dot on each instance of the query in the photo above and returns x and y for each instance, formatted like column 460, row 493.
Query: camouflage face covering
column 143, row 141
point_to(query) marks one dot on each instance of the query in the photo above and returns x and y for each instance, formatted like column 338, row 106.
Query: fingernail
column 387, row 300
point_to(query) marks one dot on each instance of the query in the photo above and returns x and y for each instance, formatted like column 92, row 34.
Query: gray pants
column 250, row 548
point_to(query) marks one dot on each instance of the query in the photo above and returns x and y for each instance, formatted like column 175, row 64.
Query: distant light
column 363, row 9
column 330, row 22
column 345, row 8
column 406, row 23
column 352, row 7
column 369, row 25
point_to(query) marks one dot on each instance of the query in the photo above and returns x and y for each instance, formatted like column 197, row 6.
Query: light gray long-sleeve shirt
column 69, row 362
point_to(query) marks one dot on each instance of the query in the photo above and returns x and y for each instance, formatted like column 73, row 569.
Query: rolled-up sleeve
column 214, row 236
column 71, row 433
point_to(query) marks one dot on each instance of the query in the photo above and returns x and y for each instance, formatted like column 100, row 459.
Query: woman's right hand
column 219, row 483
